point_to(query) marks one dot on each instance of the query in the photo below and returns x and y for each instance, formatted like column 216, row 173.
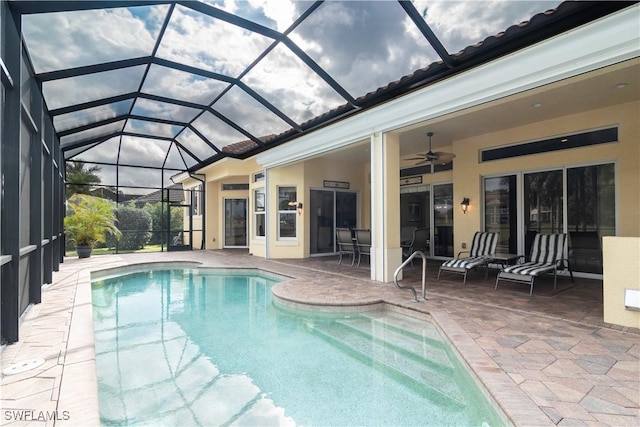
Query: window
column 564, row 142
column 287, row 200
column 197, row 200
column 259, row 212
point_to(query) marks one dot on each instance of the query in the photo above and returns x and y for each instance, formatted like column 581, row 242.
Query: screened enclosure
column 91, row 109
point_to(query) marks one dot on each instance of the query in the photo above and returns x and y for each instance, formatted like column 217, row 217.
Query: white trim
column 604, row 42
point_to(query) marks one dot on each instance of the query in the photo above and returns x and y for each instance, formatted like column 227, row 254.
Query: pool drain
column 24, row 366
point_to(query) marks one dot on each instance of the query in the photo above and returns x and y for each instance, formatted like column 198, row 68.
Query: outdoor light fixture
column 298, row 205
column 465, row 205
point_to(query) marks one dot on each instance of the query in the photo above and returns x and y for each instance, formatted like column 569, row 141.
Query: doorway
column 330, row 209
column 180, row 229
column 235, row 222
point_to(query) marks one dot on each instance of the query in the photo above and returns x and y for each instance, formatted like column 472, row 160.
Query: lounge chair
column 346, row 245
column 547, row 256
column 483, row 247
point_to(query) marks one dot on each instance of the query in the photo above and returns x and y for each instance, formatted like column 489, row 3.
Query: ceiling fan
column 430, row 157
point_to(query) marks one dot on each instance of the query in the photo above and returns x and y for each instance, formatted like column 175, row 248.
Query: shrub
column 89, row 220
column 135, row 225
column 158, row 214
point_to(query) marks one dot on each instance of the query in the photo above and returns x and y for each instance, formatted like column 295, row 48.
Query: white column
column 385, row 206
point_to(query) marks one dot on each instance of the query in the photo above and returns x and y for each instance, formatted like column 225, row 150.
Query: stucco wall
column 287, row 176
column 621, row 256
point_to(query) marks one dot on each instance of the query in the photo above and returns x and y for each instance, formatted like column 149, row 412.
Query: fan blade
column 415, row 158
column 443, row 157
column 424, row 162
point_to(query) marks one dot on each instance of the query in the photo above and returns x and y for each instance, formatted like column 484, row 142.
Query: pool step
column 428, row 371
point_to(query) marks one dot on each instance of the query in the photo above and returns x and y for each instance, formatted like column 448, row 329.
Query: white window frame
column 291, row 210
column 259, row 212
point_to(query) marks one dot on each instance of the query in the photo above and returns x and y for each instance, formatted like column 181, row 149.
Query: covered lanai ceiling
column 181, row 84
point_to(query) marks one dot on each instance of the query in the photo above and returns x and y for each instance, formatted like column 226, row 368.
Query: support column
column 385, row 205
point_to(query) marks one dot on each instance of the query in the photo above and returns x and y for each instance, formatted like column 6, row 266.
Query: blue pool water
column 199, row 347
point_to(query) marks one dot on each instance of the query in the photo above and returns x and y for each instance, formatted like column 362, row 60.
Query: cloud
column 91, row 87
column 363, row 45
column 237, row 106
column 459, row 24
column 196, row 39
column 71, row 39
column 180, row 85
column 285, row 81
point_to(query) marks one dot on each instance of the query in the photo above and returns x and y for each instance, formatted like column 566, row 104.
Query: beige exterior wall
column 621, row 271
column 228, row 171
column 286, row 176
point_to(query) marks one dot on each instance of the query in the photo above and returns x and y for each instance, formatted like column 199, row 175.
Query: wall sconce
column 465, row 205
column 298, row 205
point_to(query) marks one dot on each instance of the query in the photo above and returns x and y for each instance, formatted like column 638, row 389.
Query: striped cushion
column 530, row 268
column 467, row 263
column 483, row 244
column 548, row 248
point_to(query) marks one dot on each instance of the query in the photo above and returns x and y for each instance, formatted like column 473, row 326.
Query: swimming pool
column 209, row 347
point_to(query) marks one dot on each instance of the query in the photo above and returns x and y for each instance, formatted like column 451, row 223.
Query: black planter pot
column 83, row 251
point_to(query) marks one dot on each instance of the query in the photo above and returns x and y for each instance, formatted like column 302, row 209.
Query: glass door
column 415, row 212
column 543, row 205
column 321, row 222
column 346, row 209
column 591, row 213
column 235, row 223
column 443, row 219
column 330, row 209
column 501, row 211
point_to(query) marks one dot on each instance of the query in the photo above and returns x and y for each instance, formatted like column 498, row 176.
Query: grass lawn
column 108, row 251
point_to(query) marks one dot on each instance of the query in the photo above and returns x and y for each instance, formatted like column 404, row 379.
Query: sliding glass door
column 591, row 214
column 587, row 214
column 501, row 211
column 543, row 205
column 330, row 209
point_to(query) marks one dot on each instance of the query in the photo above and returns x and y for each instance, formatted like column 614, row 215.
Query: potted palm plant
column 88, row 221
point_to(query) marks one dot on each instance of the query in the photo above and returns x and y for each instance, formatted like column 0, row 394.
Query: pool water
column 201, row 347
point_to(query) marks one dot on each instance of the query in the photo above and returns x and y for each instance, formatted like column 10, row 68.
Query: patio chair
column 483, row 247
column 418, row 242
column 547, row 256
column 363, row 243
column 346, row 245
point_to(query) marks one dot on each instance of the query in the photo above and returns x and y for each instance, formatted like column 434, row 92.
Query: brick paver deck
column 546, row 359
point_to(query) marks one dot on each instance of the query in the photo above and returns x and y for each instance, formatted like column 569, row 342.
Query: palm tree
column 80, row 178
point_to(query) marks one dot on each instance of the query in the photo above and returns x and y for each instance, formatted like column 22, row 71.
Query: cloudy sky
column 363, row 45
